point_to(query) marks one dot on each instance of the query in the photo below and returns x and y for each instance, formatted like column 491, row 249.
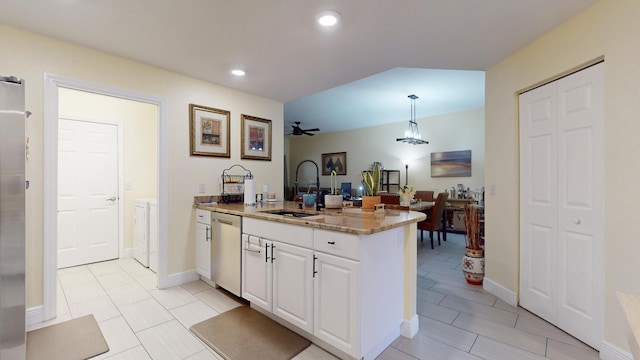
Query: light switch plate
column 202, row 188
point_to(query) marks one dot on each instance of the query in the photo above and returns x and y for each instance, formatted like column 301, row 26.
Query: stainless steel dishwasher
column 226, row 256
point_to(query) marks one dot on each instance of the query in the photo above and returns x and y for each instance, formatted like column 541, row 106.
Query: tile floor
column 457, row 320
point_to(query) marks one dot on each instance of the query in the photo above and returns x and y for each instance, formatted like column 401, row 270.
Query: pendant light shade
column 412, row 135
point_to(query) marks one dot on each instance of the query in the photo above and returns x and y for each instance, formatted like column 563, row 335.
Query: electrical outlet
column 127, row 186
column 492, row 189
column 202, row 188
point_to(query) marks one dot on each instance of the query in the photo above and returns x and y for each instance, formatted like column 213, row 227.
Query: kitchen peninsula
column 345, row 279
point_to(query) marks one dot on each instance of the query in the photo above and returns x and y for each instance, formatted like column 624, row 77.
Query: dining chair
column 434, row 218
column 424, row 195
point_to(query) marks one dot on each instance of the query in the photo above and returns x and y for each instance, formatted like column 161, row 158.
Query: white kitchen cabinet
column 336, row 301
column 356, row 283
column 256, row 271
column 203, row 243
column 293, row 284
column 275, row 277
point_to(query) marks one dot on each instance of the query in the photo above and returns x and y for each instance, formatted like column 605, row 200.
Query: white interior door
column 87, row 192
column 562, row 203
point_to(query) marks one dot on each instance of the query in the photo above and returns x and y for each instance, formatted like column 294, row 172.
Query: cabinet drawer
column 203, row 216
column 272, row 230
column 335, row 243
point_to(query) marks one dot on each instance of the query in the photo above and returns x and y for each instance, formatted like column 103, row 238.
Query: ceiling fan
column 297, row 131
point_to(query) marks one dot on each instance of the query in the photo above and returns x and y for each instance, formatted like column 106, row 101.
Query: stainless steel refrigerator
column 12, row 219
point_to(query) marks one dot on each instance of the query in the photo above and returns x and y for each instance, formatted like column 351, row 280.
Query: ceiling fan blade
column 314, row 129
column 308, row 133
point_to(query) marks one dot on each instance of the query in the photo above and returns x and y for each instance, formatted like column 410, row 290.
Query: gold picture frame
column 255, row 138
column 209, row 131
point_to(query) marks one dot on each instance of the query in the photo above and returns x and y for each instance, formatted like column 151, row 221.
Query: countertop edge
column 264, row 215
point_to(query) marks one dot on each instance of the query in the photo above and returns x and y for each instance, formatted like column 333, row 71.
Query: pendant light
column 412, row 135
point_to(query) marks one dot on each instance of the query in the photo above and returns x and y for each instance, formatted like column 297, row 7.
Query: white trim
column 126, row 253
column 35, row 315
column 182, row 278
column 410, row 328
column 608, row 351
column 51, row 84
column 500, row 292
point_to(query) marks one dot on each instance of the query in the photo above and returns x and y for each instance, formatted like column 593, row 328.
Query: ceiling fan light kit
column 297, row 130
column 412, row 134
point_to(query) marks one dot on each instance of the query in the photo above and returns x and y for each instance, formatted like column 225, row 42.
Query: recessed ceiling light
column 238, row 72
column 328, row 18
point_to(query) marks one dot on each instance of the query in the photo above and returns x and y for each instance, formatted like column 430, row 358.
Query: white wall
column 456, row 131
column 139, row 122
column 607, row 29
column 30, row 56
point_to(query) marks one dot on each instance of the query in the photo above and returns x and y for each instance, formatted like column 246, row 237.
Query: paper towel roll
column 249, row 192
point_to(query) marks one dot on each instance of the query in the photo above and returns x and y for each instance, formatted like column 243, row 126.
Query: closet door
column 562, row 203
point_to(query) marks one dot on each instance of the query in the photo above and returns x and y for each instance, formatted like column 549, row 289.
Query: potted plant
column 406, row 194
column 371, row 183
column 473, row 259
column 333, row 200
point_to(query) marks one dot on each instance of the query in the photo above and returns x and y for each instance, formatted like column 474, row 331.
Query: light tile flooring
column 457, row 320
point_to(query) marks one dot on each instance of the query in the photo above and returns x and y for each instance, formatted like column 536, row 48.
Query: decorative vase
column 368, row 202
column 333, row 201
column 406, row 200
column 309, row 199
column 473, row 266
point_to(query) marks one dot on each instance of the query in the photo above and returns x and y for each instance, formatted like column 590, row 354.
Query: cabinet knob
column 576, row 221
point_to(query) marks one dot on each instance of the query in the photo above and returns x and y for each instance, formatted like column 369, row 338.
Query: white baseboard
column 127, row 253
column 182, row 278
column 608, row 351
column 35, row 315
column 410, row 328
column 500, row 292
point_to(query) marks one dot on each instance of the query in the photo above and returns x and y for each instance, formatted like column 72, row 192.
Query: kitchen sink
column 292, row 214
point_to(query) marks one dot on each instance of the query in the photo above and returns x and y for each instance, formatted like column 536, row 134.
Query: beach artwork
column 451, row 163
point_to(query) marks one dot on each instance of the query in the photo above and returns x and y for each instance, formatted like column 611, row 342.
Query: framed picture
column 256, row 138
column 209, row 131
column 334, row 161
column 451, row 163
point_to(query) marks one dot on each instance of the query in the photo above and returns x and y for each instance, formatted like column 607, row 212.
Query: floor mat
column 243, row 333
column 75, row 339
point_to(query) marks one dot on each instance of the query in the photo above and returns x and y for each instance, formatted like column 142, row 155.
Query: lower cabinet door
column 293, row 284
column 203, row 250
column 335, row 302
column 256, row 271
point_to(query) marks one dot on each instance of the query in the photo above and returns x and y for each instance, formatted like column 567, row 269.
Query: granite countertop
column 348, row 220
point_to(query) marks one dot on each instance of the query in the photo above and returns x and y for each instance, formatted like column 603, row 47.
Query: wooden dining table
column 425, row 207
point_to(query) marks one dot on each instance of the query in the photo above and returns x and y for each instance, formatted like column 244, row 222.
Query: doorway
column 53, row 86
column 562, row 203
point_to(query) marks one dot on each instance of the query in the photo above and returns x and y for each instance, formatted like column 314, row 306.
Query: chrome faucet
column 317, row 181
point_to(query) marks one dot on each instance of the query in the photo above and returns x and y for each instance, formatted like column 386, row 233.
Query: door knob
column 113, row 198
column 576, row 221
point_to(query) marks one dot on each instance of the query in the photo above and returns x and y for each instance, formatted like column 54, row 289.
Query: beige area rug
column 79, row 338
column 243, row 333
